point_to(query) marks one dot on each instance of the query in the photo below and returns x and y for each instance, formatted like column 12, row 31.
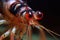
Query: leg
column 12, row 34
column 3, row 22
column 22, row 32
column 5, row 35
column 29, row 33
column 43, row 36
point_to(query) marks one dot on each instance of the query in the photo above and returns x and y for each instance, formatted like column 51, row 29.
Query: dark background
column 51, row 11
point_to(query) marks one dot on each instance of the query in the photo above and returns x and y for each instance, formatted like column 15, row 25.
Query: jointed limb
column 29, row 33
column 43, row 36
column 5, row 34
column 12, row 33
column 3, row 22
column 8, row 33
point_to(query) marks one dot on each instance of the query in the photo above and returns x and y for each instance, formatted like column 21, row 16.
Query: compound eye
column 29, row 15
column 39, row 15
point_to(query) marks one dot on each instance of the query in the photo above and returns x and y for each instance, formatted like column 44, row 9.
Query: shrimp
column 20, row 18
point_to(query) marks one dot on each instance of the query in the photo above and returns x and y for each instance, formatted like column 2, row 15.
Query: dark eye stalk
column 38, row 15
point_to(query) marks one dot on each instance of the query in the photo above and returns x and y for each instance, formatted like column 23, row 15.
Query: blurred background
column 51, row 11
